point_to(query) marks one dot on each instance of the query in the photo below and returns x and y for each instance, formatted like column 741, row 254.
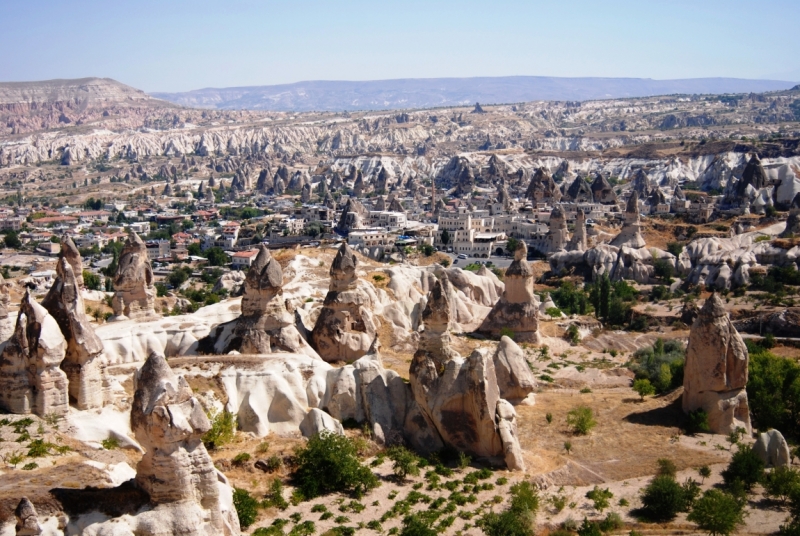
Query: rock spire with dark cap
column 176, row 469
column 84, row 362
column 793, row 221
column 347, row 325
column 715, row 374
column 631, row 233
column 518, row 309
column 134, row 292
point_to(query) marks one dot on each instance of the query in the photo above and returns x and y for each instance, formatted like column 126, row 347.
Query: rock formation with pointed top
column 354, row 216
column 715, row 374
column 27, row 519
column 578, row 241
column 347, row 325
column 602, row 191
column 84, row 362
column 518, row 309
column 631, row 233
column 434, row 340
column 134, row 291
column 542, row 188
column 579, row 191
column 30, row 378
column 557, row 234
column 793, row 221
column 266, row 325
column 5, row 298
column 176, row 470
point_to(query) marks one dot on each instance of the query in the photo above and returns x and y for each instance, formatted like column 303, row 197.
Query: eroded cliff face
column 134, row 291
column 715, row 374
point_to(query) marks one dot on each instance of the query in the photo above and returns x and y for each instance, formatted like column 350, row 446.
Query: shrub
column 697, row 422
column 274, row 496
column 745, row 467
column 612, row 521
column 589, row 528
column 600, row 498
column 507, row 332
column 663, row 498
column 38, row 448
column 246, row 507
column 110, row 443
column 643, row 387
column 661, row 364
column 335, row 457
column 553, row 312
column 30, row 466
column 666, row 467
column 417, row 525
column 780, row 482
column 581, row 420
column 405, row 461
column 573, row 334
column 306, row 528
column 717, row 513
column 241, row 459
column 223, row 428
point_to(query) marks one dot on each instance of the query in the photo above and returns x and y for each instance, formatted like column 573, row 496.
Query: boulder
column 30, row 378
column 773, row 449
column 518, row 308
column 231, row 282
column 134, row 292
column 346, row 325
column 317, row 421
column 715, row 374
column 84, row 361
column 169, row 423
column 514, row 377
column 27, row 519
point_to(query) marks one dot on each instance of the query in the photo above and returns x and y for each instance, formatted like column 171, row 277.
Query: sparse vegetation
column 335, row 457
column 581, row 420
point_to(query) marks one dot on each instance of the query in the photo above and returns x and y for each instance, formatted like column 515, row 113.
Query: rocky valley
column 531, row 318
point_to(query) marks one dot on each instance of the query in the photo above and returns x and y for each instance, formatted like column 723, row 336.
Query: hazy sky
column 175, row 45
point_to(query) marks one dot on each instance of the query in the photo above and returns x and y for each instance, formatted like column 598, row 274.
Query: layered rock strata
column 517, row 310
column 134, row 291
column 715, row 374
column 346, row 326
column 84, row 362
column 30, row 378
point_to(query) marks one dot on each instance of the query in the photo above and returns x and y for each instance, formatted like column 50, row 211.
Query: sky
column 176, row 45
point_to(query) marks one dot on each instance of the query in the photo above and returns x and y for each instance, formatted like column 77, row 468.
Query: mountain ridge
column 414, row 93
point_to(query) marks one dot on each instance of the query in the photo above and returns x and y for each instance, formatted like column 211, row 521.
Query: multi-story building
column 387, row 219
column 158, row 249
column 371, row 238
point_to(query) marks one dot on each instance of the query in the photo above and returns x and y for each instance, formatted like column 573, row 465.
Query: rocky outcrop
column 134, row 291
column 514, row 377
column 354, row 216
column 715, row 374
column 557, row 234
column 266, row 325
column 772, row 448
column 5, row 298
column 317, row 421
column 434, row 341
column 578, row 241
column 27, row 519
column 187, row 493
column 542, row 188
column 631, row 233
column 579, row 191
column 346, row 326
column 517, row 310
column 602, row 191
column 30, row 378
column 84, row 362
column 793, row 221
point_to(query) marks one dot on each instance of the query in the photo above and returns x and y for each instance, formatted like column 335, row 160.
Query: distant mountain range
column 433, row 92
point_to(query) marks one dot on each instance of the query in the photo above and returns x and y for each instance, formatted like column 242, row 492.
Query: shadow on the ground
column 670, row 415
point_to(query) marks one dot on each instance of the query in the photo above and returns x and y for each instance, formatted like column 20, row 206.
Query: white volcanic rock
column 134, row 292
column 84, row 362
column 773, row 449
column 514, row 377
column 346, row 326
column 317, row 421
column 715, row 374
column 518, row 308
column 169, row 423
column 30, row 378
column 231, row 282
column 631, row 233
column 578, row 241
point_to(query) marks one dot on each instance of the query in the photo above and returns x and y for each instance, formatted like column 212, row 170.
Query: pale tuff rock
column 793, row 221
column 69, row 251
column 542, row 188
column 578, row 240
column 5, row 298
column 434, row 341
column 579, row 191
column 631, row 233
column 317, row 421
column 346, row 325
column 84, row 362
column 354, row 215
column 30, row 378
column 773, row 449
column 716, row 369
column 176, row 470
column 265, row 325
column 514, row 377
column 27, row 519
column 518, row 308
column 602, row 191
column 134, row 292
column 557, row 235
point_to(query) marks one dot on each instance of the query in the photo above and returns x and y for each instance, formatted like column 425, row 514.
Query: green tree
column 780, row 482
column 581, row 420
column 405, row 462
column 663, row 498
column 643, row 387
column 604, row 299
column 90, row 280
column 445, row 237
column 12, row 240
column 717, row 513
column 335, row 457
column 246, row 507
column 216, row 257
column 512, row 245
column 746, row 467
column 194, row 250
